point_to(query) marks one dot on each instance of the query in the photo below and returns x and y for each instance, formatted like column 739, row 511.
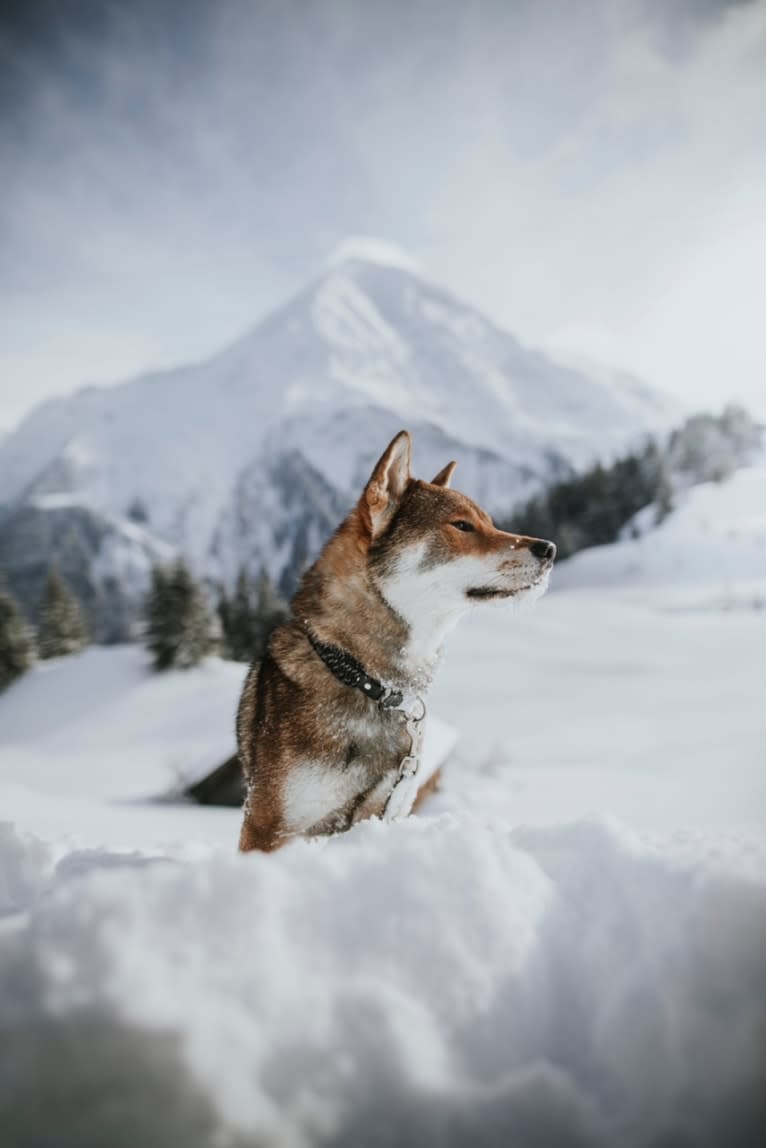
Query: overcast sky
column 592, row 173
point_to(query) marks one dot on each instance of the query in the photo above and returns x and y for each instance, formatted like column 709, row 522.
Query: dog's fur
column 319, row 755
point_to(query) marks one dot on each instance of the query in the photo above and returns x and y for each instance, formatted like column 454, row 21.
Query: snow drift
column 440, row 982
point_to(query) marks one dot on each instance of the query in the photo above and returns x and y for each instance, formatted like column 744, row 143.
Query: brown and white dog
column 327, row 719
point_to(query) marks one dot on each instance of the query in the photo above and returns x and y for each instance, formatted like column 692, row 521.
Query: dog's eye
column 461, row 524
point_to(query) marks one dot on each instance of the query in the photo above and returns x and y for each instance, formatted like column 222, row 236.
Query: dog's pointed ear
column 388, row 482
column 444, row 477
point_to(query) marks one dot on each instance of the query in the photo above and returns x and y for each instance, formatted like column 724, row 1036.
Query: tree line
column 61, row 630
column 592, row 508
column 184, row 621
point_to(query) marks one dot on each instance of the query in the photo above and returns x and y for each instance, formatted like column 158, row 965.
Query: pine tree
column 249, row 616
column 63, row 629
column 271, row 610
column 179, row 630
column 16, row 648
column 242, row 619
column 223, row 610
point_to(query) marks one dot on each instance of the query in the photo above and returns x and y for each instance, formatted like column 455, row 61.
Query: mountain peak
column 367, row 249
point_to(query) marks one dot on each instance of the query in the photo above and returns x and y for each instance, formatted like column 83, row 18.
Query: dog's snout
column 545, row 551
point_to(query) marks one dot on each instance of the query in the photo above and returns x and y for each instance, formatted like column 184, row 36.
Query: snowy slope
column 366, row 349
column 710, row 550
column 514, row 967
column 102, row 725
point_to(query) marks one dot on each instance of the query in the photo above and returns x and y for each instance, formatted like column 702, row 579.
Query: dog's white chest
column 314, row 790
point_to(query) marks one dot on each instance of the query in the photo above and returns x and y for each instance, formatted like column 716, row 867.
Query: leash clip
column 417, row 717
column 408, row 766
column 390, row 698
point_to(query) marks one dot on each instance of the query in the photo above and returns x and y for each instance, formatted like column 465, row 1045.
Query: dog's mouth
column 486, row 593
column 494, row 593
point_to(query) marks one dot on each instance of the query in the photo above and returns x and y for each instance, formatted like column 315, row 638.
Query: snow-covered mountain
column 252, row 455
column 105, row 558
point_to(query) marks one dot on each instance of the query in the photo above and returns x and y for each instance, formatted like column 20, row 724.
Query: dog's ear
column 387, row 484
column 444, row 477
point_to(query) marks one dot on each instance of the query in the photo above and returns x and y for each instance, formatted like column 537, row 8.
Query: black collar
column 352, row 673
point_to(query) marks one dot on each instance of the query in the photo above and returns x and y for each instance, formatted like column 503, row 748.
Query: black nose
column 543, row 550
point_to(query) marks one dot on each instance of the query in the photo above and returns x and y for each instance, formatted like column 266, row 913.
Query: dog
column 329, row 721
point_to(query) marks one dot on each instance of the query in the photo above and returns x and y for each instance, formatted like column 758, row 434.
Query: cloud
column 172, row 171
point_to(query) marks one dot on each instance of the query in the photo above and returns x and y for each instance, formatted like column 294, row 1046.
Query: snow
column 438, row 981
column 565, row 948
column 591, row 704
column 59, row 501
column 101, row 724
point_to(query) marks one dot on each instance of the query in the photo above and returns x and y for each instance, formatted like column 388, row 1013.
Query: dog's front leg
column 266, row 840
column 262, row 834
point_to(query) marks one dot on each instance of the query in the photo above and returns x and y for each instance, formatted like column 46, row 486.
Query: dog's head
column 432, row 547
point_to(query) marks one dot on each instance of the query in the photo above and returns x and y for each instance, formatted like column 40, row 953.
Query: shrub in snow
column 63, row 629
column 16, row 649
column 180, row 630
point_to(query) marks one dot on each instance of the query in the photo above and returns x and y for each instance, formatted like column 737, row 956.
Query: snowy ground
column 569, row 948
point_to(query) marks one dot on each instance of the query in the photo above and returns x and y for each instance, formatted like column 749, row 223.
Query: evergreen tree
column 249, row 616
column 708, row 448
column 179, row 631
column 237, row 616
column 243, row 619
column 16, row 648
column 63, row 629
column 270, row 611
column 223, row 610
column 590, row 509
column 663, row 496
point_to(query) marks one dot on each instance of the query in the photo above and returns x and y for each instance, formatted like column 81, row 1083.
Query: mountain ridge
column 329, row 375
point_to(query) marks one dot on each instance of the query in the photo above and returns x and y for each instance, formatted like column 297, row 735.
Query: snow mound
column 709, row 551
column 430, row 982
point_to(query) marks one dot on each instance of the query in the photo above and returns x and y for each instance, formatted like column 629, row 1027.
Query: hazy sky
column 590, row 172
